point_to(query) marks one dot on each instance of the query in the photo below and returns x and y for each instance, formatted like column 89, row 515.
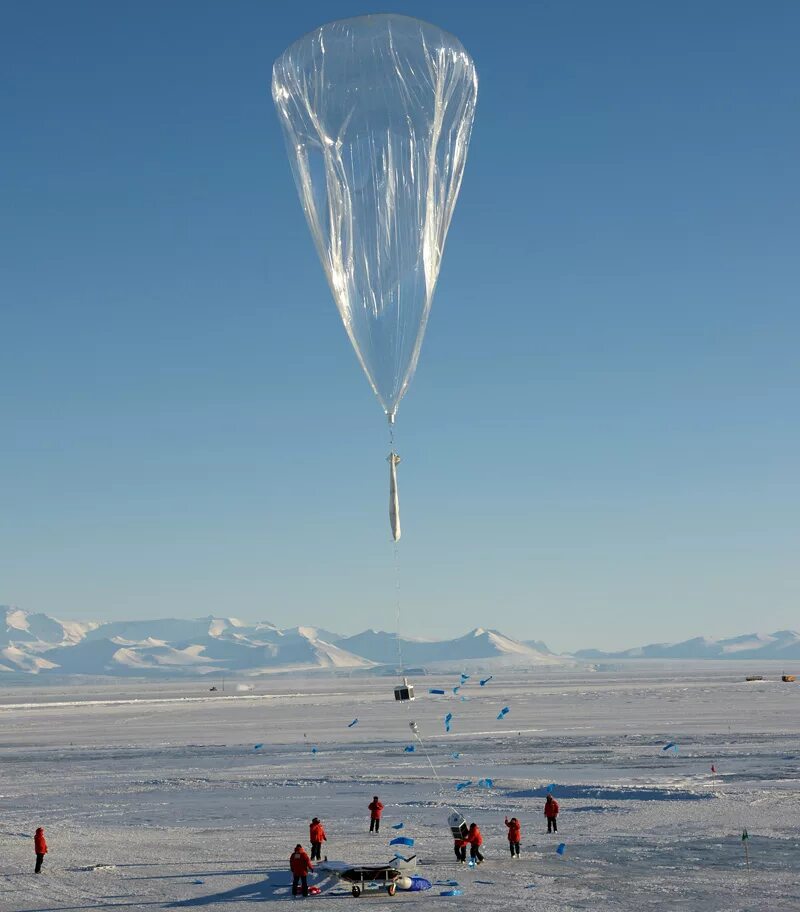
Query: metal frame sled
column 362, row 877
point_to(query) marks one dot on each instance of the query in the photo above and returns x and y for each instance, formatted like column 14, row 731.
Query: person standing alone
column 551, row 813
column 300, row 866
column 514, row 836
column 40, row 847
column 317, row 837
column 375, row 810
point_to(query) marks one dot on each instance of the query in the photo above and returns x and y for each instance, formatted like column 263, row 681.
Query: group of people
column 474, row 837
column 301, row 865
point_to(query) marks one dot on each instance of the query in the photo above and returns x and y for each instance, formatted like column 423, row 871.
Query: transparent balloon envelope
column 377, row 113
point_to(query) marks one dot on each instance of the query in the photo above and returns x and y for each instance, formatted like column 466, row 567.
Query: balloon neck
column 390, row 418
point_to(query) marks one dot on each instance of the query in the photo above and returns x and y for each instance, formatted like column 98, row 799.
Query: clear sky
column 600, row 446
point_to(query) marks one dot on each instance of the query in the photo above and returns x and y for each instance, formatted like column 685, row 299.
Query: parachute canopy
column 377, row 113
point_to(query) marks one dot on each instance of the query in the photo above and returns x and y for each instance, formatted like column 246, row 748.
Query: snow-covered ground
column 159, row 802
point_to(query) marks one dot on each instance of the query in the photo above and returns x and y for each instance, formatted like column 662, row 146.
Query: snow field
column 167, row 805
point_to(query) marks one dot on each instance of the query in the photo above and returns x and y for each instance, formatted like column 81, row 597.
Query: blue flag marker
column 485, row 783
column 447, row 720
column 354, row 722
column 456, row 689
column 435, row 690
column 562, row 847
column 402, row 840
column 484, row 681
column 314, row 750
column 409, row 749
column 503, row 712
column 398, row 826
column 464, row 677
column 463, row 785
column 257, row 747
column 455, row 755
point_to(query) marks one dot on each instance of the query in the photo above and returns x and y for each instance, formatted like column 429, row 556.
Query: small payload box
column 458, row 825
column 404, row 692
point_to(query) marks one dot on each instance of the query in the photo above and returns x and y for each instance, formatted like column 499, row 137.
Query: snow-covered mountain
column 37, row 644
column 17, row 626
column 40, row 644
column 783, row 644
column 382, row 647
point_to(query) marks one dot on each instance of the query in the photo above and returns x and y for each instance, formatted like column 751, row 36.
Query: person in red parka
column 475, row 840
column 375, row 810
column 300, row 866
column 317, row 836
column 551, row 812
column 40, row 848
column 514, row 836
column 460, row 848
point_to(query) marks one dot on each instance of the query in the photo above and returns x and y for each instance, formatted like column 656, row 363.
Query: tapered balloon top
column 377, row 113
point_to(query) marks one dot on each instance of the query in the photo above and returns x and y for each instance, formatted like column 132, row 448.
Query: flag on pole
column 744, row 835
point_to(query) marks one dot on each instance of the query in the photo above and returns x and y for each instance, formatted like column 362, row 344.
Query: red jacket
column 514, row 830
column 376, row 808
column 40, row 843
column 475, row 837
column 551, row 808
column 461, row 843
column 300, row 863
column 317, row 833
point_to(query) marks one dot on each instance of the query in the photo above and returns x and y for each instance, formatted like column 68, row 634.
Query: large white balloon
column 377, row 113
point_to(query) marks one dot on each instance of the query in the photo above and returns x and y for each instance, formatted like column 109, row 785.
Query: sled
column 369, row 878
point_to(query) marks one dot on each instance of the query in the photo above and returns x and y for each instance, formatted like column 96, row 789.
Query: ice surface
column 152, row 796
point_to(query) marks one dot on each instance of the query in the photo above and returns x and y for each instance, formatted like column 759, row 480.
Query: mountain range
column 783, row 644
column 39, row 644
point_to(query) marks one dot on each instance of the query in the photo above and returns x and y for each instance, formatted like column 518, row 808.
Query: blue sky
column 600, row 445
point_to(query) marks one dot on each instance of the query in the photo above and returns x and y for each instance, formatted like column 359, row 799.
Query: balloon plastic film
column 377, row 113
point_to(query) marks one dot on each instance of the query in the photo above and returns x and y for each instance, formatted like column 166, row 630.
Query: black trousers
column 552, row 826
column 475, row 853
column 374, row 824
column 39, row 860
column 514, row 846
column 296, row 879
column 316, row 848
column 461, row 852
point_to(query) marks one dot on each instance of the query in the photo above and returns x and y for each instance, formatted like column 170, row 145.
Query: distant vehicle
column 212, row 689
column 788, row 679
column 754, row 678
